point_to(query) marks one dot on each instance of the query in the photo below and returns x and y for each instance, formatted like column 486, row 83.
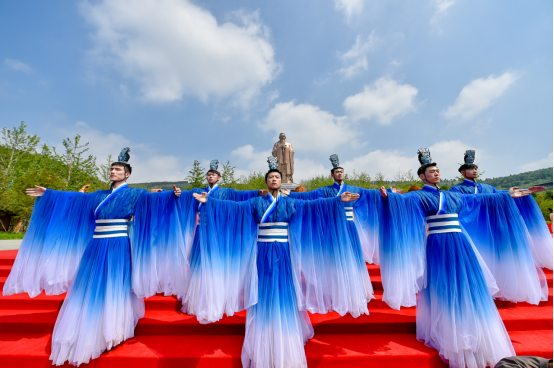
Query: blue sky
column 372, row 81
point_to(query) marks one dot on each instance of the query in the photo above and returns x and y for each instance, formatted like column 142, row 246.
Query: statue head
column 282, row 136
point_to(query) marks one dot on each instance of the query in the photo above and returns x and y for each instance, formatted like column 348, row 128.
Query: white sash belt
column 111, row 228
column 448, row 223
column 273, row 232
column 349, row 213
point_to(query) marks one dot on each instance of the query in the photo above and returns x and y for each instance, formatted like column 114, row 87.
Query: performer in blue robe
column 456, row 313
column 541, row 239
column 103, row 301
column 210, row 293
column 362, row 216
column 293, row 256
column 363, row 223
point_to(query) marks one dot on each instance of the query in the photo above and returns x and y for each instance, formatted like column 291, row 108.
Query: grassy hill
column 522, row 180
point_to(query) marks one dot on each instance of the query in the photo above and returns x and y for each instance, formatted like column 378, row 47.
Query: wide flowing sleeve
column 368, row 210
column 307, row 196
column 324, row 265
column 496, row 227
column 403, row 233
column 224, row 277
column 240, row 195
column 159, row 244
column 61, row 226
column 541, row 239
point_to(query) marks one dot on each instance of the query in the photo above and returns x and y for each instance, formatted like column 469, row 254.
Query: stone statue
column 285, row 157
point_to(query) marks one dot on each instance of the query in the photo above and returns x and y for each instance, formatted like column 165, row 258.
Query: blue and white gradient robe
column 362, row 216
column 206, row 298
column 541, row 239
column 285, row 257
column 80, row 243
column 456, row 313
column 503, row 240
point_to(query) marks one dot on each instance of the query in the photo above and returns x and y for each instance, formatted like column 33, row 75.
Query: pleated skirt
column 100, row 309
column 276, row 330
column 456, row 314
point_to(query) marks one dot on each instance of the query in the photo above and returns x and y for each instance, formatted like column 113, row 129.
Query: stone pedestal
column 289, row 186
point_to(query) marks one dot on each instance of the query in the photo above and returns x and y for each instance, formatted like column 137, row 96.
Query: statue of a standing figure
column 285, row 157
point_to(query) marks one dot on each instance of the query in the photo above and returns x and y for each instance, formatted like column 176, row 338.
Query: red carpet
column 165, row 337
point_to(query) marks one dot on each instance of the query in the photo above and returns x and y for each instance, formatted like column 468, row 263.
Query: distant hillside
column 161, row 185
column 522, row 180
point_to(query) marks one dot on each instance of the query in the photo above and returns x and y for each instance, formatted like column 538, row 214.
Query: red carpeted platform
column 165, row 337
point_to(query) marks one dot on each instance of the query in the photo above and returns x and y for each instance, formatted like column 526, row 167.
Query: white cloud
column 447, row 154
column 441, row 9
column 309, row 127
column 354, row 69
column 17, row 65
column 385, row 101
column 478, row 95
column 356, row 56
column 173, row 48
column 148, row 165
column 360, row 47
column 349, row 7
column 540, row 164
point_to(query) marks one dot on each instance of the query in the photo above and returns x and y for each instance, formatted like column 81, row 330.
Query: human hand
column 285, row 192
column 156, row 190
column 537, row 189
column 515, row 192
column 202, row 198
column 383, row 191
column 349, row 197
column 176, row 190
column 396, row 190
column 263, row 192
column 35, row 192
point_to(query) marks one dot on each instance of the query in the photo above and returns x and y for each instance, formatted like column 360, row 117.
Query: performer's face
column 117, row 173
column 273, row 181
column 338, row 175
column 471, row 173
column 212, row 178
column 432, row 175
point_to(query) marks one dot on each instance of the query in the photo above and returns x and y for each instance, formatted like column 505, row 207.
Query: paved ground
column 10, row 244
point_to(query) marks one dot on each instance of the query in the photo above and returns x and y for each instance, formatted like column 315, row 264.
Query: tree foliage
column 228, row 176
column 197, row 176
column 25, row 163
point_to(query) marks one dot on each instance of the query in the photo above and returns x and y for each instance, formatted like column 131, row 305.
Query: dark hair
column 334, row 168
column 213, row 171
column 467, row 167
column 273, row 170
column 126, row 166
column 422, row 169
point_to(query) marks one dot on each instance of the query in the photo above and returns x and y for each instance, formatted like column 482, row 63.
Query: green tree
column 379, row 180
column 105, row 171
column 254, row 181
column 22, row 204
column 196, row 176
column 79, row 168
column 228, row 176
column 14, row 145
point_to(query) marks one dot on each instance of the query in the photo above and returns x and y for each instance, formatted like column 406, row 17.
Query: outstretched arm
column 35, row 192
column 515, row 192
column 176, row 191
column 202, row 198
